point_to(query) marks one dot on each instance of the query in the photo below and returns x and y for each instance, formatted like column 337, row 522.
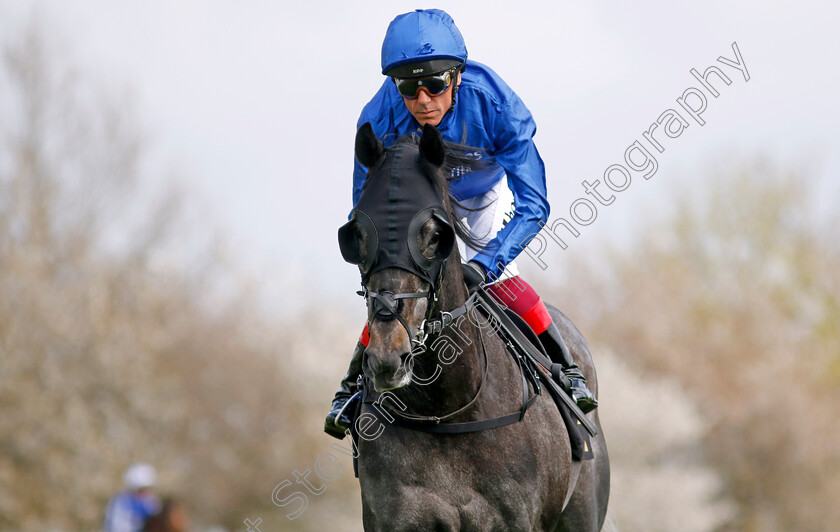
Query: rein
column 438, row 419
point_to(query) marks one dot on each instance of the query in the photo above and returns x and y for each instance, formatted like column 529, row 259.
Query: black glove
column 474, row 275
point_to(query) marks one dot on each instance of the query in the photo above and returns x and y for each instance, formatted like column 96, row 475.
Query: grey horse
column 513, row 477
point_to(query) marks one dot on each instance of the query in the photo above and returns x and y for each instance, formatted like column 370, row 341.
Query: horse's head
column 400, row 236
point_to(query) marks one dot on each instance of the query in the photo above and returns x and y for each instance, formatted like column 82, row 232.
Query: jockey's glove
column 474, row 275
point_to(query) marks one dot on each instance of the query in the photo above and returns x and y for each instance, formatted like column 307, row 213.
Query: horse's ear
column 368, row 148
column 431, row 145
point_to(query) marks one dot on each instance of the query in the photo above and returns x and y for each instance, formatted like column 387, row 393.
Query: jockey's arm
column 516, row 153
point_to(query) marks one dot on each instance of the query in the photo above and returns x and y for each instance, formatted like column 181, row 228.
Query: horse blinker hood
column 399, row 197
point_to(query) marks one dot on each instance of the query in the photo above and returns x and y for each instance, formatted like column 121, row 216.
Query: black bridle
column 385, row 304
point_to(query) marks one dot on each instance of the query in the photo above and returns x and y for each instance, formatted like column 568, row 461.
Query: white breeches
column 495, row 209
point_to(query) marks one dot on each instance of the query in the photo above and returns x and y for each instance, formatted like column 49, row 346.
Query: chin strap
column 455, row 89
column 454, row 98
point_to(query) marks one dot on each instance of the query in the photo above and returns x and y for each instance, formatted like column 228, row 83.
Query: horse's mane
column 460, row 160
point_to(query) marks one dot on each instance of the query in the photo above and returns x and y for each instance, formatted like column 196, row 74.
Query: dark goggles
column 436, row 85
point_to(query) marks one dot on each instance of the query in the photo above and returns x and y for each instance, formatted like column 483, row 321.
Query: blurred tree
column 107, row 357
column 736, row 295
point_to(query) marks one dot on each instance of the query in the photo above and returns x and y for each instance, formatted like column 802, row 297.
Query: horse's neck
column 457, row 358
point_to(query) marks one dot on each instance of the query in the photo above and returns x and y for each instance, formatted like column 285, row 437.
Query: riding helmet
column 422, row 43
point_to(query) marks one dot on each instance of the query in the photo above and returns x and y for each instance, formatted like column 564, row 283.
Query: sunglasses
column 436, row 85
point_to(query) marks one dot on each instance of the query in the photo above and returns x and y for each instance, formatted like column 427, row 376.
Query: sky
column 255, row 102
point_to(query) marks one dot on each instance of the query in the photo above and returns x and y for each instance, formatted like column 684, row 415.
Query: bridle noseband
column 384, row 304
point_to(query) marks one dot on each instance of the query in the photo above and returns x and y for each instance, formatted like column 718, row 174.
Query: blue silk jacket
column 490, row 117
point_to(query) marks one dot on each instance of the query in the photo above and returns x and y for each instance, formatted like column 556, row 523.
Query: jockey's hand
column 474, row 275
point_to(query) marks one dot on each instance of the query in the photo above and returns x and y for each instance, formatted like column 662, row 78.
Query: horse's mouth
column 388, row 379
column 383, row 383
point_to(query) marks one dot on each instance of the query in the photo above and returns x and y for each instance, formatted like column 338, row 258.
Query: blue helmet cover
column 422, row 35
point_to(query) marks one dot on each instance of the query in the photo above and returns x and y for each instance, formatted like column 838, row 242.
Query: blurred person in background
column 129, row 510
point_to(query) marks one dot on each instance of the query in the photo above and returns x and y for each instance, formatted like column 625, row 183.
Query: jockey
column 129, row 510
column 430, row 81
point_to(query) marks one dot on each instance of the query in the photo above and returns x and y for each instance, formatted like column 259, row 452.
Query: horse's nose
column 386, row 369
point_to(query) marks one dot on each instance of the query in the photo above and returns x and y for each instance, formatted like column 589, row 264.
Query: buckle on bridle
column 421, row 336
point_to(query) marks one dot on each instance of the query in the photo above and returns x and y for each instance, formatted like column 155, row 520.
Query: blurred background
column 172, row 176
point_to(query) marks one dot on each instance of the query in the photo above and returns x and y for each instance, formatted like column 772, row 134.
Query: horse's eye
column 435, row 238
